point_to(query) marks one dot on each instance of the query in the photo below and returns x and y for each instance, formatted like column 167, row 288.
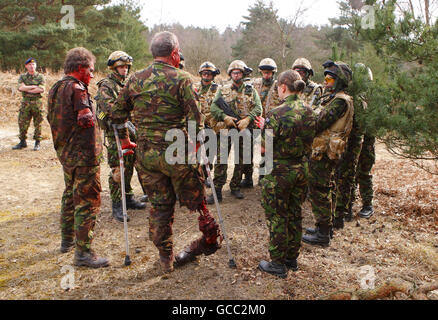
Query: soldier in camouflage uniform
column 78, row 145
column 266, row 87
column 119, row 63
column 160, row 98
column 313, row 91
column 31, row 85
column 364, row 179
column 245, row 102
column 206, row 90
column 333, row 128
column 346, row 171
column 284, row 190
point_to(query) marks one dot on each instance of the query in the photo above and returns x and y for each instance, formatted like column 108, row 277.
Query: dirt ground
column 400, row 241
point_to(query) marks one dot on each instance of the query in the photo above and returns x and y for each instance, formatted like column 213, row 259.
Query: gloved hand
column 260, row 122
column 244, row 123
column 230, row 121
column 127, row 144
column 85, row 118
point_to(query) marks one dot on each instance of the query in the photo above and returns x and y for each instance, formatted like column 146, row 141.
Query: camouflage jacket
column 268, row 95
column 294, row 127
column 206, row 95
column 107, row 93
column 159, row 98
column 333, row 126
column 31, row 80
column 311, row 91
column 244, row 101
column 75, row 146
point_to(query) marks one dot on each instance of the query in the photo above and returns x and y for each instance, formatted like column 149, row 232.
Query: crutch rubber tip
column 232, row 263
column 127, row 261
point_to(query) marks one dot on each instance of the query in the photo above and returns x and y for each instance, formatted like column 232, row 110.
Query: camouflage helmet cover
column 118, row 59
column 339, row 70
column 208, row 66
column 240, row 65
column 303, row 63
column 268, row 64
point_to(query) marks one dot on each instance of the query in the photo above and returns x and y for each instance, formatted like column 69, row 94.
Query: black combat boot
column 89, row 259
column 277, row 269
column 321, row 237
column 247, row 182
column 131, row 203
column 291, row 264
column 314, row 230
column 22, row 144
column 338, row 223
column 118, row 212
column 66, row 245
column 210, row 199
column 237, row 193
column 37, row 146
column 144, row 198
column 366, row 212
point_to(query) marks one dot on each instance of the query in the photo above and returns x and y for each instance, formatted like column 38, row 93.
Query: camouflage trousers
column 364, row 178
column 221, row 167
column 248, row 169
column 113, row 162
column 320, row 188
column 163, row 182
column 345, row 173
column 283, row 193
column 80, row 204
column 30, row 109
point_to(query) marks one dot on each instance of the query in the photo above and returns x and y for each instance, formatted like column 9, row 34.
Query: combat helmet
column 240, row 65
column 303, row 63
column 340, row 71
column 119, row 59
column 268, row 64
column 208, row 66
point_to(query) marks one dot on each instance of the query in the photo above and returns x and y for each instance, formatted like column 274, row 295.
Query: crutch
column 231, row 262
column 122, row 184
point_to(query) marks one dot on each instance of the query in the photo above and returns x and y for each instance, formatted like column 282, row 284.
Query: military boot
column 66, row 245
column 131, row 203
column 89, row 259
column 237, row 194
column 291, row 264
column 314, row 230
column 210, row 199
column 196, row 248
column 247, row 182
column 366, row 212
column 321, row 237
column 277, row 269
column 144, row 198
column 118, row 212
column 37, row 146
column 338, row 223
column 22, row 144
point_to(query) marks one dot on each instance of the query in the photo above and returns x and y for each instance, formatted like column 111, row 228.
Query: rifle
column 226, row 108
